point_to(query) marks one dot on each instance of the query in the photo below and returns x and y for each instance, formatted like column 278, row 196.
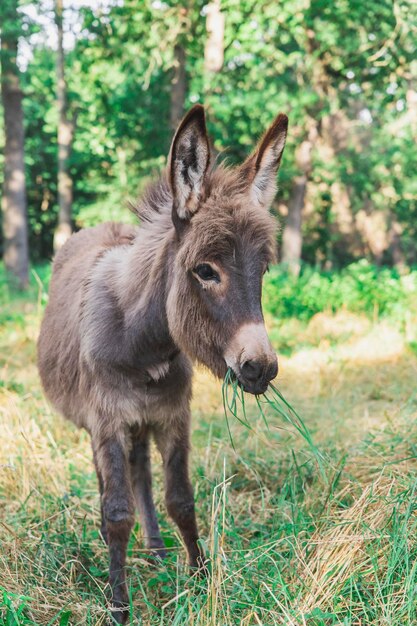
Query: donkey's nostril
column 272, row 370
column 251, row 370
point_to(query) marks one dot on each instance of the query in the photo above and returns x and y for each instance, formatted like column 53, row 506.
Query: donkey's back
column 59, row 340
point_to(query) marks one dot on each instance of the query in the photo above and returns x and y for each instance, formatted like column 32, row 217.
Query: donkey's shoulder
column 106, row 235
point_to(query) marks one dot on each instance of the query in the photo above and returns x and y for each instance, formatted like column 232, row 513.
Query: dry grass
column 286, row 546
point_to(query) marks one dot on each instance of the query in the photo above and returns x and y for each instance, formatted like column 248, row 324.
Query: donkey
column 129, row 310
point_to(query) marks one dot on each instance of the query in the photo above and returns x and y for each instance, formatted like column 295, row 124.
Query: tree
column 179, row 78
column 344, row 71
column 178, row 86
column 214, row 48
column 65, row 138
column 292, row 236
column 14, row 203
column 213, row 55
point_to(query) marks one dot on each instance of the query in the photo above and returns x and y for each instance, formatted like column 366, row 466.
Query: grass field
column 288, row 544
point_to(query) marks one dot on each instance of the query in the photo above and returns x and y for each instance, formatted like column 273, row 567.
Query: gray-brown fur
column 130, row 308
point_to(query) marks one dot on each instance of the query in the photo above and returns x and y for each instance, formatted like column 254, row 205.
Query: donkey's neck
column 143, row 285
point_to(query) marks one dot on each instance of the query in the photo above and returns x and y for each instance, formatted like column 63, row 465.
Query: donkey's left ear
column 262, row 166
column 188, row 163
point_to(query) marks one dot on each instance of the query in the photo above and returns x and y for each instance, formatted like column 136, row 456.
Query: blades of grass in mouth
column 291, row 415
column 232, row 404
column 273, row 399
column 262, row 412
column 224, row 397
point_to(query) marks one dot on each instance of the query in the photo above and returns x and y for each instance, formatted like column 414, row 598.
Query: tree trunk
column 65, row 138
column 178, row 86
column 213, row 55
column 214, row 49
column 397, row 254
column 292, row 237
column 14, row 203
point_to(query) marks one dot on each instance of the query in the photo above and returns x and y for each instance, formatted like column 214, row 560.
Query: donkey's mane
column 156, row 199
column 157, row 196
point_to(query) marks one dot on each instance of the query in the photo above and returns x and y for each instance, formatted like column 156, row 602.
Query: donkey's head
column 225, row 241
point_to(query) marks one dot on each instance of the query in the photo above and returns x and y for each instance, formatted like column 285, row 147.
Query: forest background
column 92, row 92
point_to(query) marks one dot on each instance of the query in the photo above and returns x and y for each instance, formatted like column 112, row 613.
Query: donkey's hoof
column 199, row 568
column 119, row 613
column 156, row 550
column 156, row 556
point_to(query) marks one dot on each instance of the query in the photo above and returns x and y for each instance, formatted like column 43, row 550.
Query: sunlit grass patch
column 286, row 546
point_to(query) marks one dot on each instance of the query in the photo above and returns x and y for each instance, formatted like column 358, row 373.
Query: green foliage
column 346, row 69
column 39, row 83
column 12, row 302
column 359, row 288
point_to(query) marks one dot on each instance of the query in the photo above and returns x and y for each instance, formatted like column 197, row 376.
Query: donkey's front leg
column 179, row 495
column 140, row 466
column 112, row 461
column 103, row 528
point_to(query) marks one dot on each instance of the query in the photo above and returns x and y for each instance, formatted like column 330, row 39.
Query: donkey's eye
column 206, row 272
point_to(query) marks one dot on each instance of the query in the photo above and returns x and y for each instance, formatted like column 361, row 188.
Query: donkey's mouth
column 255, row 388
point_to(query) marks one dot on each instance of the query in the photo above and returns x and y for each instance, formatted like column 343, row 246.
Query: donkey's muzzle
column 250, row 355
column 255, row 376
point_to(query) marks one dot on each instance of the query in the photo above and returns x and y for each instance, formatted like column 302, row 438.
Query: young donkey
column 130, row 308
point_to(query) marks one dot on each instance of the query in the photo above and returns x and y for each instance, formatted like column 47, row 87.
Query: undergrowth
column 358, row 288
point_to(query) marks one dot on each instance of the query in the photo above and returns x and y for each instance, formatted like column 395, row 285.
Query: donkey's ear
column 262, row 166
column 188, row 163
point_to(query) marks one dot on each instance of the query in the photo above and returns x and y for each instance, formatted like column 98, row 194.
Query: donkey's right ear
column 189, row 160
column 260, row 169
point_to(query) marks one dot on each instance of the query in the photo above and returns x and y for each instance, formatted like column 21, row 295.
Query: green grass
column 290, row 541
